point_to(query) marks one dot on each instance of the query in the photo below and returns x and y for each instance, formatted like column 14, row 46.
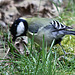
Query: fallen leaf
column 3, row 24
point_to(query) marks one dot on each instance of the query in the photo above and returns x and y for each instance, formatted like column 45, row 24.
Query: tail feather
column 69, row 32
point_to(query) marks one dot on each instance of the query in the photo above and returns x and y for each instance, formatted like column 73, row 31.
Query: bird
column 49, row 28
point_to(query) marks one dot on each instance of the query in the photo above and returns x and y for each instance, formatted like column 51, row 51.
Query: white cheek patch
column 20, row 29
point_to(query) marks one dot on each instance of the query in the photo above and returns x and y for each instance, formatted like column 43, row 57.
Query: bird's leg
column 63, row 49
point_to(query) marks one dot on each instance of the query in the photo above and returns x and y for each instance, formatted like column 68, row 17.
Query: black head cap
column 19, row 28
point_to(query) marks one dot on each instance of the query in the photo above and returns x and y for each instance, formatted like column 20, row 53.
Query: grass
column 43, row 62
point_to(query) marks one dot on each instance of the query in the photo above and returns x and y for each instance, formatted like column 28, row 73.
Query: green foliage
column 45, row 62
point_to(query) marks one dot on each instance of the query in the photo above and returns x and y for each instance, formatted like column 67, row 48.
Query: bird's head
column 19, row 28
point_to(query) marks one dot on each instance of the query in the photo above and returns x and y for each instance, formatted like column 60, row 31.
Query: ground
column 23, row 56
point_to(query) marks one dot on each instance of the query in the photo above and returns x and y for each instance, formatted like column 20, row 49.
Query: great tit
column 50, row 28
